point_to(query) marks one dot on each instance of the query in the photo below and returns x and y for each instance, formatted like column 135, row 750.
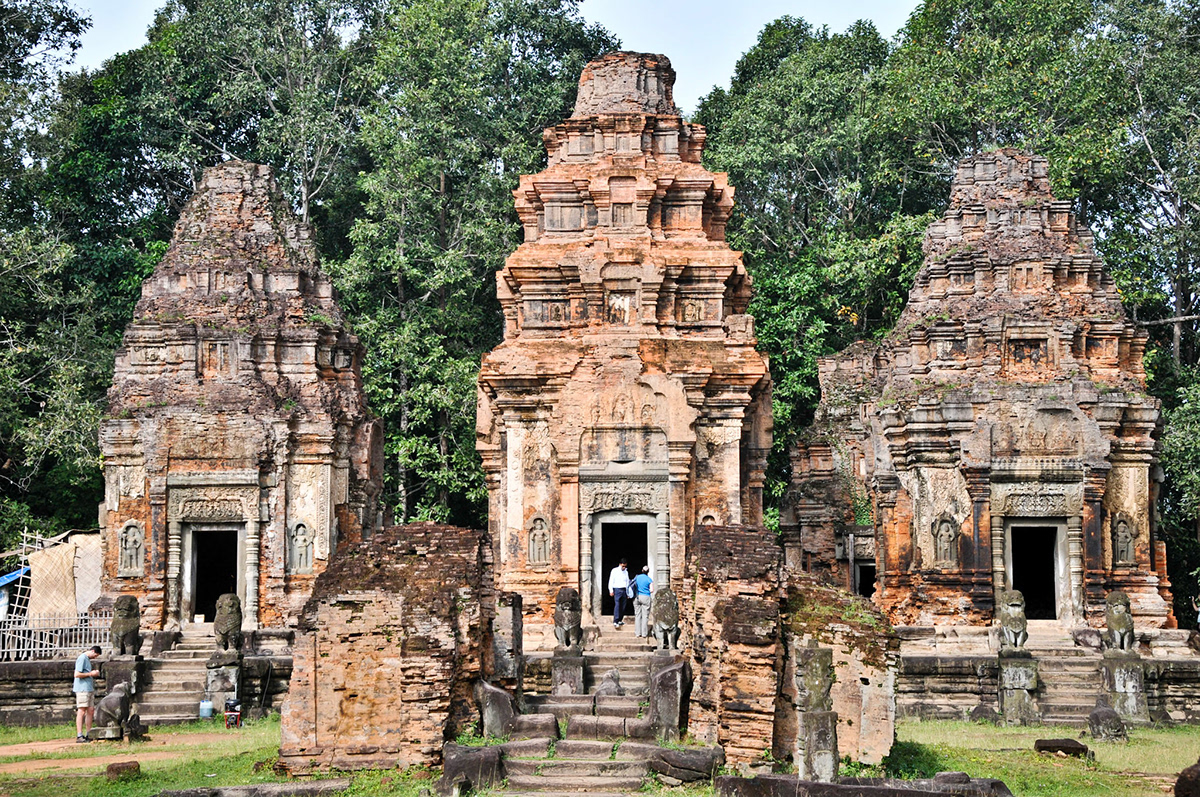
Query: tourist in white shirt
column 618, row 588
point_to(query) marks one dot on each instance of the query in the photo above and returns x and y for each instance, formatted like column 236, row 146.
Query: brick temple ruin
column 238, row 447
column 999, row 437
column 627, row 404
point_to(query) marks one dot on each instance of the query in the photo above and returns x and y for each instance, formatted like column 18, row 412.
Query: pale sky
column 703, row 38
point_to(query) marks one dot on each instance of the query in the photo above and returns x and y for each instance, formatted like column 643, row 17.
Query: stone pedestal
column 127, row 669
column 670, row 691
column 108, row 732
column 1018, row 681
column 566, row 674
column 508, row 654
column 816, row 755
column 223, row 679
column 1124, row 681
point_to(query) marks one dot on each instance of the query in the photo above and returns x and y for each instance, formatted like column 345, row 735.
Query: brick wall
column 730, row 612
column 388, row 650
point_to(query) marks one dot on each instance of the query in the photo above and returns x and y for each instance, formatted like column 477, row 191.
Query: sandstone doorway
column 212, row 558
column 1036, row 567
column 621, row 538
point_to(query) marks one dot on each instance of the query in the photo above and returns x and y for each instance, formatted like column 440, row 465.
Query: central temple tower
column 627, row 403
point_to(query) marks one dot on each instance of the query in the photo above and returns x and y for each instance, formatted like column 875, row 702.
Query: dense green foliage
column 399, row 130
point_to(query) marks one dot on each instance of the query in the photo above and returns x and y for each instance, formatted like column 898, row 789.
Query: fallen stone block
column 123, row 770
column 468, row 769
column 1070, row 747
column 534, row 726
column 688, row 765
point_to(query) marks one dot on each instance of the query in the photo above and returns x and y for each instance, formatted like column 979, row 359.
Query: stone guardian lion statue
column 1014, row 629
column 568, row 618
column 125, row 633
column 664, row 619
column 228, row 622
column 1119, row 622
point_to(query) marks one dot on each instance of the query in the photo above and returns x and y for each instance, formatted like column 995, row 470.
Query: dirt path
column 152, row 750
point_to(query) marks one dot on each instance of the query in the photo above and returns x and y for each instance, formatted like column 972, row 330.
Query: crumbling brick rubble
column 388, row 650
column 731, row 604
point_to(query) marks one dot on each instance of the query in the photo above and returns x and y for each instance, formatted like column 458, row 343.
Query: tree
column 831, row 205
column 463, row 89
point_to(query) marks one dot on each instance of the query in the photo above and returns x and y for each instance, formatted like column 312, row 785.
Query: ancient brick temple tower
column 238, row 445
column 999, row 437
column 627, row 403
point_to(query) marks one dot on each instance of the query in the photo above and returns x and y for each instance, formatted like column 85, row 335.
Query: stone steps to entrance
column 590, row 784
column 573, row 766
column 175, row 682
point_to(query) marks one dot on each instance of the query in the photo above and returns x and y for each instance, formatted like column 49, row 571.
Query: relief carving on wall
column 1037, row 504
column 630, row 496
column 212, row 503
column 539, row 542
column 1122, row 540
column 131, row 542
column 300, row 549
column 1050, row 432
column 945, row 542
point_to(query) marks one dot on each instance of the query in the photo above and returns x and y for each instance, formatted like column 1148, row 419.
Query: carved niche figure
column 664, row 618
column 945, row 542
column 568, row 619
column 125, row 633
column 539, row 542
column 1119, row 621
column 1013, row 626
column 132, row 544
column 228, row 622
column 1122, row 541
column 300, row 549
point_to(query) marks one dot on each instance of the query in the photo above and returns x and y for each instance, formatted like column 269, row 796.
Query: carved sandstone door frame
column 1068, row 562
column 190, row 572
column 641, row 500
column 599, row 576
column 219, row 498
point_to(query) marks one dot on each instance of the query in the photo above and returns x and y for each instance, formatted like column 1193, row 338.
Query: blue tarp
column 9, row 578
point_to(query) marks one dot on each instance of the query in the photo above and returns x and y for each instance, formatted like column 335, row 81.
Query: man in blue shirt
column 85, row 692
column 641, row 602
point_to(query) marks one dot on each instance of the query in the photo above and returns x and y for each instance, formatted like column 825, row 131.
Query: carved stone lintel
column 628, row 496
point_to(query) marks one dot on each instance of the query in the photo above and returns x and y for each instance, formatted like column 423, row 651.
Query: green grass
column 1153, row 757
column 245, row 756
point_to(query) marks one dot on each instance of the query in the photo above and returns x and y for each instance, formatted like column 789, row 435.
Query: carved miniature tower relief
column 238, row 446
column 1001, row 434
column 627, row 400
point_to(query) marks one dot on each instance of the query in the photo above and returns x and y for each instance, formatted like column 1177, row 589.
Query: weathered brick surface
column 237, row 401
column 1011, row 391
column 865, row 659
column 628, row 383
column 388, row 650
column 730, row 617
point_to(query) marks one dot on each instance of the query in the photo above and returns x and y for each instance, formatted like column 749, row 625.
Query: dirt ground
column 93, row 757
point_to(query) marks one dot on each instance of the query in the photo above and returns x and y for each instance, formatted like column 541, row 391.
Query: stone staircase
column 571, row 766
column 607, row 744
column 1069, row 675
column 175, row 681
column 619, row 649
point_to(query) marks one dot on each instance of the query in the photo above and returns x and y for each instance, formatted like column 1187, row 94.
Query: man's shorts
column 85, row 699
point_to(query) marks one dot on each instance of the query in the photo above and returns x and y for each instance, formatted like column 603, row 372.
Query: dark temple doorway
column 1032, row 549
column 214, row 554
column 620, row 540
column 865, row 580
